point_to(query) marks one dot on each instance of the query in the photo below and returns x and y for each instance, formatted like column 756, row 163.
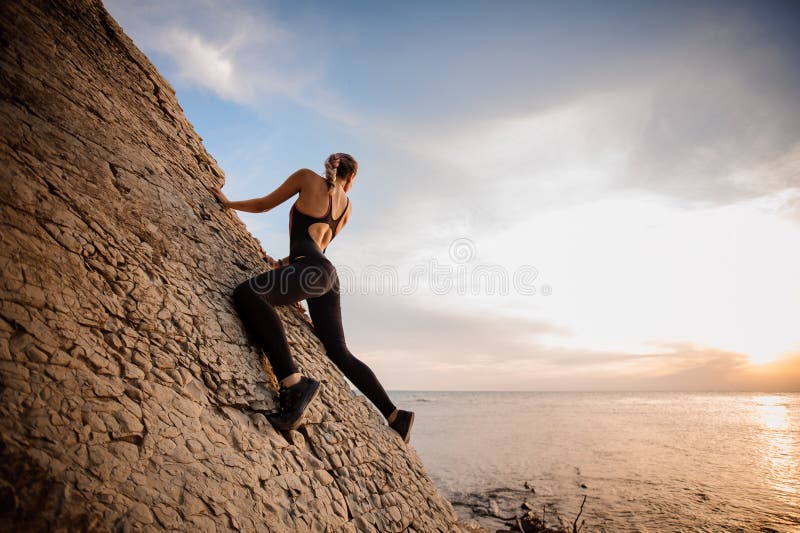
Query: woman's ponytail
column 339, row 162
column 331, row 168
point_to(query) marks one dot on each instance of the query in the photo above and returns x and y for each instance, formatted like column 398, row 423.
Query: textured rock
column 126, row 380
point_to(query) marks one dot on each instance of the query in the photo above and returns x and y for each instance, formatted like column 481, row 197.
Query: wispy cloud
column 709, row 118
column 243, row 53
column 201, row 63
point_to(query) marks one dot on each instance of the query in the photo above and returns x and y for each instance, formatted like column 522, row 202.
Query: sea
column 645, row 461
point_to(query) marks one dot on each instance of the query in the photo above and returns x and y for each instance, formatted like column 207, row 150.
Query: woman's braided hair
column 339, row 164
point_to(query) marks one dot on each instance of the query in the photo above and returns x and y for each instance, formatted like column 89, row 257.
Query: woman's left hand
column 270, row 261
column 216, row 191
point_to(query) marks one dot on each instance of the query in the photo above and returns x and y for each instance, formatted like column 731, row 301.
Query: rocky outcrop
column 127, row 384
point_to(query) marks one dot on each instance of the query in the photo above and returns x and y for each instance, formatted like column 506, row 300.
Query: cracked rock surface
column 128, row 388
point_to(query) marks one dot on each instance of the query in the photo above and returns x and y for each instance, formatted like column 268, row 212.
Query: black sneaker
column 402, row 424
column 292, row 403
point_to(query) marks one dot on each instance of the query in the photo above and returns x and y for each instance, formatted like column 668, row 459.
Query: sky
column 550, row 196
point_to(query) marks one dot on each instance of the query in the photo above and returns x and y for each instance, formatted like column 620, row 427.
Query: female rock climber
column 307, row 274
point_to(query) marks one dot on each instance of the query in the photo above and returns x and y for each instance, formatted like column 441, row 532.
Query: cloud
column 705, row 112
column 791, row 205
column 711, row 118
column 201, row 63
column 416, row 323
column 440, row 360
column 687, row 367
column 244, row 53
column 722, row 123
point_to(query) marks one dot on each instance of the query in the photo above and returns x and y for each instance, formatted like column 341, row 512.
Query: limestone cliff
column 126, row 378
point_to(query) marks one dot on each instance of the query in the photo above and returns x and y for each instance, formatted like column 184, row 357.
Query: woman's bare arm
column 286, row 190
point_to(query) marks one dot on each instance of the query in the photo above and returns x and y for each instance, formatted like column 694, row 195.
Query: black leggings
column 314, row 279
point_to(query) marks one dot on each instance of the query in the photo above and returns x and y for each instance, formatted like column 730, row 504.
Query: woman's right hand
column 216, row 191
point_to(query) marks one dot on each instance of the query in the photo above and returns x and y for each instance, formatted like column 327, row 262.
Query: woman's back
column 317, row 215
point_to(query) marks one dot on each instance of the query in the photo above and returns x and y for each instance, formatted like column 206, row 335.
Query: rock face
column 127, row 382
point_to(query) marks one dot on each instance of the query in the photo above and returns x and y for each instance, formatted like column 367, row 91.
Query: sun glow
column 633, row 275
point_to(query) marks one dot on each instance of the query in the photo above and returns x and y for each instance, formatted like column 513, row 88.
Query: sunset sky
column 636, row 165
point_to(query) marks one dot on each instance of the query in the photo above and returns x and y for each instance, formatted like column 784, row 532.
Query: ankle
column 291, row 379
column 392, row 417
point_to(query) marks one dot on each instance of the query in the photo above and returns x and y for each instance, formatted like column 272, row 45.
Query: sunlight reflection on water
column 780, row 451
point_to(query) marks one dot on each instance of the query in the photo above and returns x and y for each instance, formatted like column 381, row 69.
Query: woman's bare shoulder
column 309, row 177
column 307, row 173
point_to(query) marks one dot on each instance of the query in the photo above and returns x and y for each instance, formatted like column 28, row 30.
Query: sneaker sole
column 314, row 393
column 410, row 424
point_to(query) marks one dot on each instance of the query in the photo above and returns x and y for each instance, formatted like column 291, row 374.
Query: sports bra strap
column 343, row 212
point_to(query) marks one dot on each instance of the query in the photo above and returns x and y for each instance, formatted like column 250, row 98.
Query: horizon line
column 608, row 390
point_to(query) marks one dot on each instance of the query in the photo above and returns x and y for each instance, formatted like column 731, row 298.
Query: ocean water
column 645, row 461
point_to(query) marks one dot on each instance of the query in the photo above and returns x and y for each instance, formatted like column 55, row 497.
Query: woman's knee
column 340, row 356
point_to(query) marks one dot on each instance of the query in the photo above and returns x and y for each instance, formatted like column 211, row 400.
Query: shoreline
column 512, row 509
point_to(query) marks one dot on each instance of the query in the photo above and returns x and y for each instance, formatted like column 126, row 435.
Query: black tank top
column 300, row 242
